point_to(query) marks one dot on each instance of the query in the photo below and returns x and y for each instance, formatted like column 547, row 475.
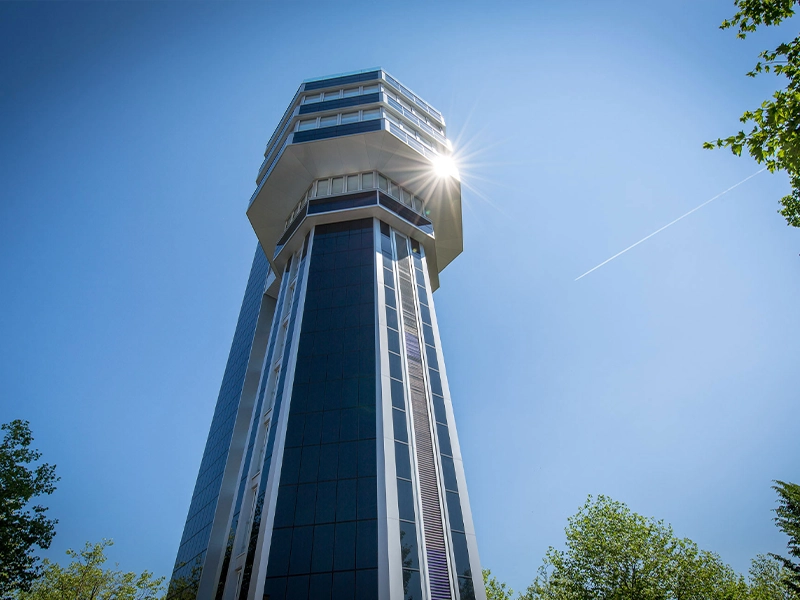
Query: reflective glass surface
column 196, row 532
column 326, row 514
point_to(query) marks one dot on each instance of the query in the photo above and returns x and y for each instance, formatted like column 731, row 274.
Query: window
column 349, row 118
column 371, row 89
column 332, row 95
column 367, row 180
column 373, row 113
column 383, row 183
column 392, row 189
column 311, row 98
column 338, row 185
column 352, row 180
column 322, row 187
column 350, row 92
column 328, row 121
column 263, row 451
column 391, row 118
column 308, row 124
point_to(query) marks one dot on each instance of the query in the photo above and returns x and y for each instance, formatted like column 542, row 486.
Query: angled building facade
column 332, row 468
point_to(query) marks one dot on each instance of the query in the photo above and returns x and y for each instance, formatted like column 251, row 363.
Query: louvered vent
column 432, row 526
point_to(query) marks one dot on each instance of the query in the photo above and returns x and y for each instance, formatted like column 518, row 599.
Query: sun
column 444, row 167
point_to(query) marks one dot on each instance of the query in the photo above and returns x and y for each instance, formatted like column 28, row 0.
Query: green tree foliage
column 767, row 580
column 615, row 553
column 774, row 139
column 86, row 579
column 496, row 590
column 22, row 525
column 788, row 520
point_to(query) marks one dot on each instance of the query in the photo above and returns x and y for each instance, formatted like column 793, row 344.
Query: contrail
column 671, row 223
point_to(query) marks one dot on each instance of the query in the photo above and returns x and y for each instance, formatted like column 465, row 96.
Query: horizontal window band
column 306, row 109
column 336, row 81
column 324, row 133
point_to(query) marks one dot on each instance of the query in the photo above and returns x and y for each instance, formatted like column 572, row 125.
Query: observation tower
column 332, row 468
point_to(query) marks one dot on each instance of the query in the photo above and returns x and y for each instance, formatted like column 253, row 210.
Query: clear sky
column 130, row 138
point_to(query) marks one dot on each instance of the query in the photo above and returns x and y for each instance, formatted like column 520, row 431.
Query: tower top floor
column 358, row 145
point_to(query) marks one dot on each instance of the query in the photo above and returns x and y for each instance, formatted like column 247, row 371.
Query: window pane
column 371, row 89
column 320, row 585
column 338, row 185
column 367, row 584
column 394, row 339
column 417, row 204
column 449, row 472
column 351, row 117
column 367, row 546
column 300, row 561
column 444, row 439
column 402, row 460
column 393, row 189
column 352, row 180
column 346, row 500
column 382, row 182
column 344, row 585
column 400, row 430
column 312, row 98
column 350, row 92
column 397, row 394
column 373, row 113
column 411, row 585
column 462, row 554
column 439, row 409
column 395, row 368
column 367, row 180
column 344, row 554
column 465, row 588
column 454, row 508
column 308, row 124
column 408, row 545
column 279, row 552
column 367, row 498
column 331, row 95
column 322, row 187
column 405, row 500
column 328, row 121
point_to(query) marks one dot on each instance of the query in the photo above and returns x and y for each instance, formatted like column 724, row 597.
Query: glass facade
column 324, row 535
column 197, row 530
column 332, row 470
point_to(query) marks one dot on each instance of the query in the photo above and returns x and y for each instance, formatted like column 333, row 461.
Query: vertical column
column 406, row 506
column 465, row 562
column 424, row 443
column 257, row 535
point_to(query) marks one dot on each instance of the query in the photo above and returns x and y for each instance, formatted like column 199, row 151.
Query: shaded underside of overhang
column 300, row 164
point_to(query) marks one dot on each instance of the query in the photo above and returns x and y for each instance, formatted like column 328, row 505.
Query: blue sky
column 130, row 137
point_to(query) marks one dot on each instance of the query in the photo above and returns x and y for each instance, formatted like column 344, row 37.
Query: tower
column 332, row 468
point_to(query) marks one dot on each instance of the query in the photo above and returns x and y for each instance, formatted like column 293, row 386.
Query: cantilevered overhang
column 299, row 164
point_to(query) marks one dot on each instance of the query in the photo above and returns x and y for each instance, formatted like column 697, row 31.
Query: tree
column 788, row 521
column 22, row 526
column 615, row 553
column 774, row 139
column 496, row 590
column 86, row 579
column 767, row 580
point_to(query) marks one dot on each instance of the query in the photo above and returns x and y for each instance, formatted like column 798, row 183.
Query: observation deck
column 358, row 145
